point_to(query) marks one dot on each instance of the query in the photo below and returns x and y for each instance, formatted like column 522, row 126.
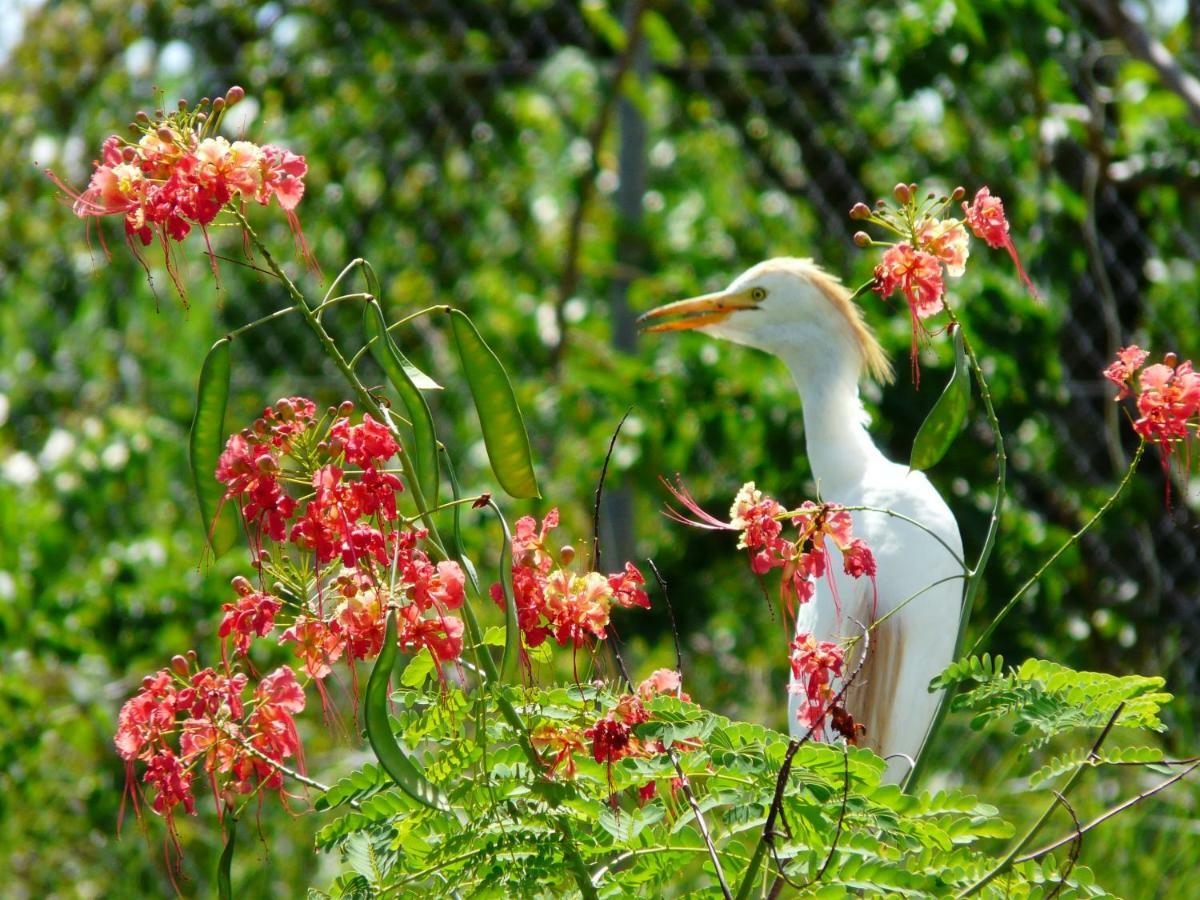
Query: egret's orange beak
column 696, row 312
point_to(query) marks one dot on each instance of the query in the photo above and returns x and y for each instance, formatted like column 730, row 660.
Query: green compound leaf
column 946, row 419
column 500, row 418
column 391, row 756
column 399, row 372
column 205, row 443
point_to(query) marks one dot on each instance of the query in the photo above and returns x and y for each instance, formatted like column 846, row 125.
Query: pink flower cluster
column 1168, row 397
column 179, row 174
column 611, row 736
column 350, row 529
column 928, row 242
column 759, row 521
column 553, row 599
column 339, row 557
column 814, row 666
column 186, row 720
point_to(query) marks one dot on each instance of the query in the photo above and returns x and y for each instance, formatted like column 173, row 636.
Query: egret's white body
column 795, row 311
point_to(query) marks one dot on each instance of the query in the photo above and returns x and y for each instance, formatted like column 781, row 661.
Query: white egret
column 794, row 310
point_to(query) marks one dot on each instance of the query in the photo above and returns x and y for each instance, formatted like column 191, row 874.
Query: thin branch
column 599, row 874
column 768, row 832
column 685, row 784
column 1011, row 857
column 911, row 521
column 1105, row 816
column 1070, row 542
column 777, row 887
column 662, row 586
column 585, row 186
column 612, row 443
column 278, row 314
column 1076, row 846
column 700, row 823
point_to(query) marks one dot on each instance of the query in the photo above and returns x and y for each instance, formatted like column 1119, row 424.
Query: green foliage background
column 445, row 143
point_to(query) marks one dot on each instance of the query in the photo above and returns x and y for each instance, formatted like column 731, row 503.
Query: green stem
column 975, row 575
column 752, row 871
column 1070, row 542
column 278, row 314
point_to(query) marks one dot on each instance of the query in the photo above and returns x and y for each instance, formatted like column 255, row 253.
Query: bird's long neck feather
column 839, row 447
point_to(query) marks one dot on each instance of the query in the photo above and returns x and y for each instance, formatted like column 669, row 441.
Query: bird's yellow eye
column 758, row 294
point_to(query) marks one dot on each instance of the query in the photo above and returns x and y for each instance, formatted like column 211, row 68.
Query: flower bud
column 179, row 664
column 345, row 408
column 326, row 448
column 165, row 134
column 242, row 585
column 183, row 105
column 1170, row 360
column 201, row 117
column 218, row 104
column 566, row 555
column 959, row 193
column 142, row 117
column 862, row 239
column 128, row 154
column 267, row 465
column 902, row 192
column 204, row 101
column 860, row 211
column 285, row 410
column 234, row 95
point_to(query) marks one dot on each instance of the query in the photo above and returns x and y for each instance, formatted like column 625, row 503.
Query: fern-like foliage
column 1047, row 699
column 859, row 836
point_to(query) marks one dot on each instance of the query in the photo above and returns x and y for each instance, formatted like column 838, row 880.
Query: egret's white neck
column 835, row 422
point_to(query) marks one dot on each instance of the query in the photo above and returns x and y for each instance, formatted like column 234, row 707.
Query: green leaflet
column 397, row 369
column 500, row 418
column 379, row 729
column 224, row 887
column 205, row 442
column 946, row 419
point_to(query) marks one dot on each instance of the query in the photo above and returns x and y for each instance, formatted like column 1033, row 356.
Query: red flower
column 562, row 742
column 858, row 560
column 577, row 606
column 1168, row 397
column 146, row 717
column 171, row 781
column 209, row 693
column 814, row 666
column 442, row 636
column 365, row 444
column 627, row 587
column 662, row 681
column 610, row 740
column 249, row 472
column 253, row 614
column 985, row 216
column 1129, row 360
column 317, row 644
column 529, row 545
